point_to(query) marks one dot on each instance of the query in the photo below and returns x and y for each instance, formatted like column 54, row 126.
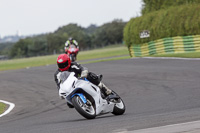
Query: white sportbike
column 87, row 98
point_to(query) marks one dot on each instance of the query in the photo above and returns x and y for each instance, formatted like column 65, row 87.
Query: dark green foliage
column 174, row 21
column 55, row 42
column 20, row 49
column 109, row 33
column 154, row 5
column 77, row 32
column 5, row 47
column 29, row 47
column 91, row 29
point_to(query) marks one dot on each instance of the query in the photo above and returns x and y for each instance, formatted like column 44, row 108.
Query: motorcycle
column 72, row 51
column 87, row 98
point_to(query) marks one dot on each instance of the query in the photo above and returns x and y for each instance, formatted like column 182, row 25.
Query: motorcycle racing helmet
column 63, row 62
column 71, row 39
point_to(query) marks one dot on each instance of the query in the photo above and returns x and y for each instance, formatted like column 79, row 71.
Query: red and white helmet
column 63, row 62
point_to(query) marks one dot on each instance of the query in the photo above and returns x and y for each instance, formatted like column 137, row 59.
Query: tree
column 20, row 49
column 55, row 43
column 154, row 5
column 77, row 32
column 91, row 29
column 109, row 33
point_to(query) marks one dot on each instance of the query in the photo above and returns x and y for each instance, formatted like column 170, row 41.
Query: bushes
column 154, row 5
column 174, row 21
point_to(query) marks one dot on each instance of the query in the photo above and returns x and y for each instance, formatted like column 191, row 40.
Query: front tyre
column 73, row 57
column 119, row 107
column 85, row 109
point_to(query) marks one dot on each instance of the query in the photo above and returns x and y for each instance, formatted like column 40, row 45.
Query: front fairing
column 73, row 50
column 83, row 86
column 68, row 80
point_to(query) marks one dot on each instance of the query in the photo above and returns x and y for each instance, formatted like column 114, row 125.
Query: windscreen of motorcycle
column 64, row 75
column 67, row 81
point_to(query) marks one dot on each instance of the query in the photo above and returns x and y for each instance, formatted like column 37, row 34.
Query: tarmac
column 189, row 127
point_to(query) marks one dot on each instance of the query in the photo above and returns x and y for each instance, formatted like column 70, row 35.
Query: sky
column 30, row 17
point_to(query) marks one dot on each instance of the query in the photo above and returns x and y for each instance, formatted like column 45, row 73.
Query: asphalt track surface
column 156, row 93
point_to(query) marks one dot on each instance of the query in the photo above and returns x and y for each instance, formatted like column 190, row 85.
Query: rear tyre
column 86, row 110
column 119, row 107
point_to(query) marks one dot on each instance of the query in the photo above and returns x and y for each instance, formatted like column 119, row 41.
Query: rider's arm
column 75, row 43
column 84, row 72
column 77, row 68
column 66, row 44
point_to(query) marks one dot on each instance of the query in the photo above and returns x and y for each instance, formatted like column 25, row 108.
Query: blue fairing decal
column 86, row 79
column 81, row 96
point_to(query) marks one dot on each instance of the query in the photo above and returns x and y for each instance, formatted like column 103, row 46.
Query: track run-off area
column 157, row 92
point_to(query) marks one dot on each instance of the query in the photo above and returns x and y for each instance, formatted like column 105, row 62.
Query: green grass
column 101, row 53
column 116, row 50
column 2, row 108
column 181, row 55
column 110, row 59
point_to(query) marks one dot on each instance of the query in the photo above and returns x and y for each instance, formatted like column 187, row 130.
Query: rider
column 71, row 41
column 64, row 64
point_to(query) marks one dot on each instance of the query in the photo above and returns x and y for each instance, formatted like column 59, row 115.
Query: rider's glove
column 84, row 74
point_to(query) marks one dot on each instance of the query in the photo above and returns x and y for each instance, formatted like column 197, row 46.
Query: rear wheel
column 119, row 107
column 87, row 110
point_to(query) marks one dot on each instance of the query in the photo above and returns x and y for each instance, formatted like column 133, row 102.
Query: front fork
column 83, row 99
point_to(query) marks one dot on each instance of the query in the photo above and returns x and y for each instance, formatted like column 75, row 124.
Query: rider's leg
column 105, row 89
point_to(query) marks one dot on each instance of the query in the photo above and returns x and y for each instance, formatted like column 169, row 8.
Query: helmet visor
column 63, row 65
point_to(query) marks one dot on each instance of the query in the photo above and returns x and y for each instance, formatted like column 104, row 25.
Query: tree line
column 88, row 38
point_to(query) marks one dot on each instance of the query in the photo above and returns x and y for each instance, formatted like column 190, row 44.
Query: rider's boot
column 106, row 91
column 109, row 94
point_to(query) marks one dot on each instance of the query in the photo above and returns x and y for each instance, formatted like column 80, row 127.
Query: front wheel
column 85, row 109
column 73, row 57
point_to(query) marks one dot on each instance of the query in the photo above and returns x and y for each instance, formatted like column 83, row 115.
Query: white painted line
column 11, row 106
column 174, row 58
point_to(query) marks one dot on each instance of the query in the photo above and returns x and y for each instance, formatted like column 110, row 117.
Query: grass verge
column 111, row 51
column 109, row 59
column 181, row 55
column 2, row 108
